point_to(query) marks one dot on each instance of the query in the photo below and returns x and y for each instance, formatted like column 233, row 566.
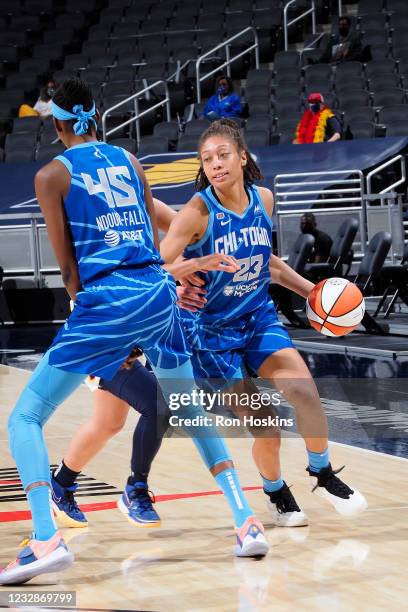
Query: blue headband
column 81, row 126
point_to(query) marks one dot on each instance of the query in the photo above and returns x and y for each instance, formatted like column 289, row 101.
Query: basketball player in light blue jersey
column 100, row 220
column 238, row 329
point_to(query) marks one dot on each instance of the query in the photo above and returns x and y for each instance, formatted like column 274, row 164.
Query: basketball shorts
column 227, row 349
column 125, row 309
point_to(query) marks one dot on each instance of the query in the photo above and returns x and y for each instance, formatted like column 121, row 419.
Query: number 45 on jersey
column 117, row 192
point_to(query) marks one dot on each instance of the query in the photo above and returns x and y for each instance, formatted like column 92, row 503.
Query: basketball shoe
column 37, row 557
column 284, row 510
column 326, row 484
column 251, row 541
column 136, row 502
column 65, row 507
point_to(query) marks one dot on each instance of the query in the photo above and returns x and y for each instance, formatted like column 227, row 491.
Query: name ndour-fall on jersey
column 127, row 298
column 111, row 229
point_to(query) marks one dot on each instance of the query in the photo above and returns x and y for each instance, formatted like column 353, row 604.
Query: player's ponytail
column 230, row 129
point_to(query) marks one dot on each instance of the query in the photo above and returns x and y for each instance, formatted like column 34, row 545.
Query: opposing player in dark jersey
column 100, row 220
column 238, row 328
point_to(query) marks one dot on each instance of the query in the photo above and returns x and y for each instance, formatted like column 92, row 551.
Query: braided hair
column 231, row 130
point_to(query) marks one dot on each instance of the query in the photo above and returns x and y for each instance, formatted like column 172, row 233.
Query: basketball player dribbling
column 238, row 329
column 123, row 299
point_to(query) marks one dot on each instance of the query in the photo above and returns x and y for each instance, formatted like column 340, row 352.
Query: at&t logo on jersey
column 112, row 238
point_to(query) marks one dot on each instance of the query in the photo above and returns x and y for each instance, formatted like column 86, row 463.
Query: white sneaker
column 284, row 510
column 347, row 501
column 37, row 557
column 251, row 541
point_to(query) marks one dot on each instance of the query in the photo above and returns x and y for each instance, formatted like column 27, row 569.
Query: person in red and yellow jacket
column 318, row 123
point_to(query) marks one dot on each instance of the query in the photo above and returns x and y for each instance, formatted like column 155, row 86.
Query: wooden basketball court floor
column 333, row 564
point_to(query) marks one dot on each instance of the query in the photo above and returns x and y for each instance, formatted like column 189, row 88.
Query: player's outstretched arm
column 52, row 184
column 284, row 275
column 164, row 214
column 187, row 227
column 183, row 268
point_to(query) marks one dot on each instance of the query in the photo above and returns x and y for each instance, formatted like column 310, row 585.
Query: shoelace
column 144, row 497
column 327, row 478
column 72, row 504
column 286, row 502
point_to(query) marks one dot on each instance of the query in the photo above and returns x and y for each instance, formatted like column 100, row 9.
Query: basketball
column 335, row 307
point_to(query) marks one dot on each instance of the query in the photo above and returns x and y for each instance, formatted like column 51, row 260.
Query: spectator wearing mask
column 43, row 105
column 344, row 46
column 318, row 123
column 323, row 242
column 224, row 103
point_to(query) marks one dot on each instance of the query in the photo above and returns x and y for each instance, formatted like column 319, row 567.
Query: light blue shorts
column 226, row 349
column 128, row 308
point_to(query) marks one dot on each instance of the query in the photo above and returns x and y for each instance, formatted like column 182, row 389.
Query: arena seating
column 368, row 270
column 339, row 253
column 282, row 297
column 119, row 46
column 396, row 279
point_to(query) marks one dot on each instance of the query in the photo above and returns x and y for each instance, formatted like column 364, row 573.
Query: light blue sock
column 210, row 445
column 47, row 387
column 40, row 505
column 271, row 486
column 228, row 481
column 318, row 461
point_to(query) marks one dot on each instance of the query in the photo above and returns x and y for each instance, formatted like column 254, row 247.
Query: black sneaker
column 284, row 510
column 326, row 484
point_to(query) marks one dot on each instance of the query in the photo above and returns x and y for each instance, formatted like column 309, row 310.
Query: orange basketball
column 335, row 307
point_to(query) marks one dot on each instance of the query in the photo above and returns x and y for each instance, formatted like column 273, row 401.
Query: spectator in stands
column 225, row 102
column 318, row 123
column 323, row 242
column 344, row 46
column 43, row 105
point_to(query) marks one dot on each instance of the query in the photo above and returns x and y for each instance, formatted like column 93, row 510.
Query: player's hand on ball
column 335, row 307
column 191, row 298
